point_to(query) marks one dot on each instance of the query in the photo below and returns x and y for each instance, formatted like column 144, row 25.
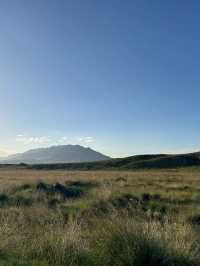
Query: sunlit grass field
column 144, row 217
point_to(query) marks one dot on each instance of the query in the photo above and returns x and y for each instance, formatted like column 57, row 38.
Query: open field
column 58, row 217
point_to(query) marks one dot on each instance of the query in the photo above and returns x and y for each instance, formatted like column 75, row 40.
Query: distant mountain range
column 154, row 161
column 76, row 157
column 56, row 154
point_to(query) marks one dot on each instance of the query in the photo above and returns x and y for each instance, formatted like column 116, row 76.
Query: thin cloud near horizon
column 50, row 140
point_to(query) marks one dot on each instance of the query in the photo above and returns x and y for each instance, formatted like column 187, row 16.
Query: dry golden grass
column 146, row 217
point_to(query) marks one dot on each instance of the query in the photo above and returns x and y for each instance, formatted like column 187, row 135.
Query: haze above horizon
column 119, row 77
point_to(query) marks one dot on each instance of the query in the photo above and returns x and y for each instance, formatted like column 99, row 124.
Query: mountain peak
column 57, row 154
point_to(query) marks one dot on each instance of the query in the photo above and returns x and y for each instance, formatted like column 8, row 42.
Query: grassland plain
column 58, row 217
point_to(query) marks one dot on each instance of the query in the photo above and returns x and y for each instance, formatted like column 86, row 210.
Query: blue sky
column 119, row 76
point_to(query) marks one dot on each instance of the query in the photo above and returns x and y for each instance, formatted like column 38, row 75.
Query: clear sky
column 122, row 77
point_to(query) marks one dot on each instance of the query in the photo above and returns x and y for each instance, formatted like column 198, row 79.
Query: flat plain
column 59, row 217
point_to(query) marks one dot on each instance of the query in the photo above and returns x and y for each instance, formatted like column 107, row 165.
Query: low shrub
column 65, row 191
column 82, row 184
column 4, row 199
column 195, row 219
column 41, row 186
column 69, row 192
column 20, row 201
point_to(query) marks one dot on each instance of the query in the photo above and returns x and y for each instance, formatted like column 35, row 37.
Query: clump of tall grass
column 40, row 237
column 127, row 242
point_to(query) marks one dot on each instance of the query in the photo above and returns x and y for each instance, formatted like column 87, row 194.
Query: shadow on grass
column 152, row 206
